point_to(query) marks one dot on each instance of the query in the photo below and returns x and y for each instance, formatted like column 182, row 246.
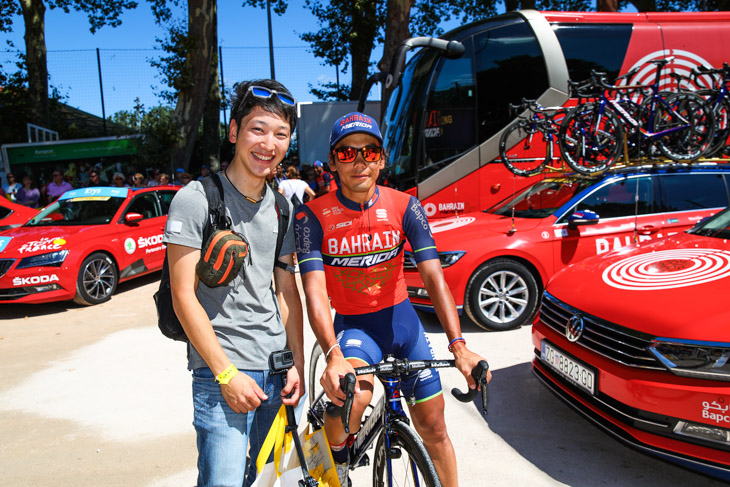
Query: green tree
column 158, row 129
column 100, row 13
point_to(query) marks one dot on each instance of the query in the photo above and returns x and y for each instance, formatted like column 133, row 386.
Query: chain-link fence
column 126, row 74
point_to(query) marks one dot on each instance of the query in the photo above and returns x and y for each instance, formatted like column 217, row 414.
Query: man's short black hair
column 241, row 105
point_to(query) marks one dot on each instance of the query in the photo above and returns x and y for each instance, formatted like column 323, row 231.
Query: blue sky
column 239, row 27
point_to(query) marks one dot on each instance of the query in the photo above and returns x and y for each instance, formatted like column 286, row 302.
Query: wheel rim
column 503, row 297
column 98, row 279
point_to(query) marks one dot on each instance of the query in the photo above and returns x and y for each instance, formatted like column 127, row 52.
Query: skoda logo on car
column 574, row 328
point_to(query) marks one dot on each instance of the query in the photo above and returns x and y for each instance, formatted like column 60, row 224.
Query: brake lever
column 479, row 374
column 347, row 384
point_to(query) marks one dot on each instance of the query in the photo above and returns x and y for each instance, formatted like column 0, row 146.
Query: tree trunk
column 607, row 5
column 212, row 118
column 191, row 101
column 365, row 25
column 396, row 31
column 36, row 62
column 644, row 5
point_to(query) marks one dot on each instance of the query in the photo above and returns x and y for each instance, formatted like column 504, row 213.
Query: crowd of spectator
column 35, row 193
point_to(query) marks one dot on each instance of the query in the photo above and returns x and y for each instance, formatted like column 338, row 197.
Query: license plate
column 568, row 367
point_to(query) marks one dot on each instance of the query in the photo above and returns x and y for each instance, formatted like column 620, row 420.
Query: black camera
column 281, row 361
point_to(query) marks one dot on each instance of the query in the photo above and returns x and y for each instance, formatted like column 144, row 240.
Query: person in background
column 155, row 179
column 12, row 187
column 204, row 172
column 178, row 177
column 164, row 179
column 118, row 181
column 94, row 178
column 57, row 187
column 185, row 178
column 293, row 186
column 224, row 165
column 322, row 179
column 139, row 181
column 29, row 195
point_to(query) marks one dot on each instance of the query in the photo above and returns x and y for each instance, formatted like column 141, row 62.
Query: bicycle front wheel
column 317, row 364
column 721, row 112
column 410, row 464
column 590, row 141
column 691, row 123
column 524, row 149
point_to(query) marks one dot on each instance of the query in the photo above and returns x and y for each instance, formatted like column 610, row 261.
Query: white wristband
column 327, row 355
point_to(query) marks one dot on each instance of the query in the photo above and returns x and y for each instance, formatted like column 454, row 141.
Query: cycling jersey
column 360, row 246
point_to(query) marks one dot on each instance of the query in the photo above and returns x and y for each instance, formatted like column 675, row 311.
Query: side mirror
column 130, row 218
column 582, row 217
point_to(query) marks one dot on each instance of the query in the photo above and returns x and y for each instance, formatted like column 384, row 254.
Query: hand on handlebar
column 337, row 368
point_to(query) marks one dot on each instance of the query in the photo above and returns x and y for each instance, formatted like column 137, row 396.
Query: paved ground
column 97, row 397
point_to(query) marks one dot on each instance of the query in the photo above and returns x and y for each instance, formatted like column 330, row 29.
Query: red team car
column 638, row 340
column 497, row 262
column 84, row 244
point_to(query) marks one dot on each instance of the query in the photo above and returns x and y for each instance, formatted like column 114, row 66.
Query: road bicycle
column 718, row 96
column 399, row 458
column 527, row 145
column 680, row 125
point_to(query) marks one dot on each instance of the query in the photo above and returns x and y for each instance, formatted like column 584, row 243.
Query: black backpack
column 167, row 320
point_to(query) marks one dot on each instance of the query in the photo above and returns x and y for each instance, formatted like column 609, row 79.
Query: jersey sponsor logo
column 381, row 215
column 420, row 217
column 46, row 243
column 362, row 260
column 341, row 225
column 369, row 281
column 363, row 242
column 32, row 280
column 303, row 237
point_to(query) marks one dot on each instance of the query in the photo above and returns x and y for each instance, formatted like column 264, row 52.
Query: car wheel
column 97, row 280
column 501, row 295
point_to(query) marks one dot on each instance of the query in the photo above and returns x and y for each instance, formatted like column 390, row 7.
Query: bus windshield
column 542, row 199
column 404, row 107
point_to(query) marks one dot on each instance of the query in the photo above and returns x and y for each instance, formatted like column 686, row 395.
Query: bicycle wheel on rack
column 524, row 149
column 721, row 112
column 317, row 364
column 410, row 463
column 694, row 114
column 590, row 141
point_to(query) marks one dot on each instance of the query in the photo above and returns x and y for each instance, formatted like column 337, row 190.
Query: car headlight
column 701, row 360
column 447, row 259
column 52, row 259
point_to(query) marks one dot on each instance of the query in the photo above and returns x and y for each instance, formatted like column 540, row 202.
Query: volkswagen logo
column 574, row 328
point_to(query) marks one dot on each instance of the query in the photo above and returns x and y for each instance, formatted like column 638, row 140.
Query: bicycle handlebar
column 398, row 368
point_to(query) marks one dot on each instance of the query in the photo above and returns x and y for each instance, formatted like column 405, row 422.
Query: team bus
column 450, row 103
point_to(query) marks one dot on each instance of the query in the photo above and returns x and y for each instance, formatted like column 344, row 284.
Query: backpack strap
column 217, row 218
column 282, row 214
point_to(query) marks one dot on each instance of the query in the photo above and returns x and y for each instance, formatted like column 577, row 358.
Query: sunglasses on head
column 348, row 154
column 266, row 93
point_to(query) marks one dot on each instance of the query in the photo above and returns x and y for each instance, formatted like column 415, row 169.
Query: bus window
column 593, row 46
column 449, row 127
column 509, row 66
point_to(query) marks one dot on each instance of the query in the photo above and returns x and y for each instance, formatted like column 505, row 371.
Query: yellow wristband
column 226, row 376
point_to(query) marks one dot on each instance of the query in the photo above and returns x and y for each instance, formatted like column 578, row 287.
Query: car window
column 5, row 211
column 146, row 205
column 165, row 199
column 78, row 211
column 619, row 199
column 680, row 192
column 542, row 199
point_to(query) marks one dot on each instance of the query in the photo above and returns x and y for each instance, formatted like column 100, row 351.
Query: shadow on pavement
column 13, row 311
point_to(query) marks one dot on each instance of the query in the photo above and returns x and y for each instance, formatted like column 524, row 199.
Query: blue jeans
column 224, row 435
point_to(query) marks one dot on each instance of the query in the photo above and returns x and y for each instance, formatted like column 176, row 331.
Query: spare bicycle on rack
column 400, row 457
column 592, row 135
column 527, row 146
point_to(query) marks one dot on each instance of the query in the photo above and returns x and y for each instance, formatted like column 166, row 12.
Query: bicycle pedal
column 393, row 453
column 364, row 461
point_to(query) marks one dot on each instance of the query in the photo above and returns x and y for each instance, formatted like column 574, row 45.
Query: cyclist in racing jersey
column 350, row 250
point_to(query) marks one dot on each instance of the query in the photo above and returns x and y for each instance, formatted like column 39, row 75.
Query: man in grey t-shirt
column 233, row 328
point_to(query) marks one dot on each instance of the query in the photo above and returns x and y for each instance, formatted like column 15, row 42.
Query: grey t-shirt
column 245, row 313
